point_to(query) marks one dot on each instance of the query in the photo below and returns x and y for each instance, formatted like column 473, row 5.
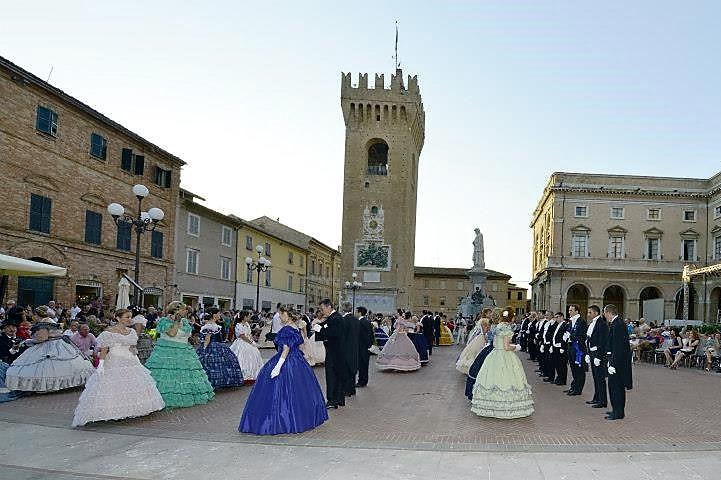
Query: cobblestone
column 426, row 410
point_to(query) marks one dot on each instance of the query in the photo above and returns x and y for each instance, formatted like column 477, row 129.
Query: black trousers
column 349, row 380
column 548, row 367
column 599, row 383
column 531, row 350
column 438, row 339
column 560, row 365
column 335, row 382
column 579, row 374
column 363, row 358
column 430, row 344
column 617, row 394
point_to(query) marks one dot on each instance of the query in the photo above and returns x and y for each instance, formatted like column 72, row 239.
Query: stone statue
column 478, row 262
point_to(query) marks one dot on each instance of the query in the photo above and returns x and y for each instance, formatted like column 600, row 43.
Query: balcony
column 377, row 170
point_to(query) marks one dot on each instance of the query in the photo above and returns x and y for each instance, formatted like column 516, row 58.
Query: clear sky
column 248, row 94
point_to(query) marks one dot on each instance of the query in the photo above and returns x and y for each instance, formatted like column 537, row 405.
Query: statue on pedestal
column 479, row 263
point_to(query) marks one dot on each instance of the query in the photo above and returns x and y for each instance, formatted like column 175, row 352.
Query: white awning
column 19, row 266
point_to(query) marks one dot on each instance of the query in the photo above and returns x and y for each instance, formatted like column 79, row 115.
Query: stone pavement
column 426, row 410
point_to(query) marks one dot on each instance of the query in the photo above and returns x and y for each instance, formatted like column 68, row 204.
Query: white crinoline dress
column 125, row 388
column 248, row 354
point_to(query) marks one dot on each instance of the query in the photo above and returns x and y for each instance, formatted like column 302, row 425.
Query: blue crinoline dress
column 292, row 402
column 218, row 360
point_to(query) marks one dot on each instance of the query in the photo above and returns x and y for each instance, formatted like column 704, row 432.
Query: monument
column 477, row 298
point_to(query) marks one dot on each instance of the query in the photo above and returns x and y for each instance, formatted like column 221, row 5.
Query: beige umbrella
column 20, row 266
column 123, row 294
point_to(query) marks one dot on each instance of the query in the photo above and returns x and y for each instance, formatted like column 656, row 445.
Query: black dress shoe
column 568, row 390
column 559, row 383
column 573, row 394
column 614, row 417
column 328, row 406
column 591, row 402
column 547, row 380
column 599, row 405
column 360, row 385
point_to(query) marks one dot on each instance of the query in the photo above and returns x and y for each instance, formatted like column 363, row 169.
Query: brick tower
column 384, row 135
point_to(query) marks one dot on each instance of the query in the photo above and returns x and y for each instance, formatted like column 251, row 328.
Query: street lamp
column 261, row 265
column 353, row 286
column 144, row 222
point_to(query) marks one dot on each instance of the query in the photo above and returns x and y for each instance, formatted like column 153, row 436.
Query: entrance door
column 35, row 290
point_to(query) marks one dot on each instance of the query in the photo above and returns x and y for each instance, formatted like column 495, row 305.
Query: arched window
column 374, row 210
column 378, row 158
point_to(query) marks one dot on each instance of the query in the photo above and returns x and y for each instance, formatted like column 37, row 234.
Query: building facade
column 442, row 289
column 62, row 163
column 205, row 254
column 385, row 131
column 600, row 239
column 283, row 283
column 517, row 298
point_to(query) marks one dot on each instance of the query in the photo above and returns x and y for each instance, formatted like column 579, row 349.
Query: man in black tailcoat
column 365, row 340
column 596, row 343
column 330, row 332
column 576, row 337
column 351, row 326
column 428, row 332
column 618, row 354
column 559, row 350
column 437, row 329
column 549, row 327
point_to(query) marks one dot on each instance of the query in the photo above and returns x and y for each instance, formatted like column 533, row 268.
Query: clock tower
column 384, row 135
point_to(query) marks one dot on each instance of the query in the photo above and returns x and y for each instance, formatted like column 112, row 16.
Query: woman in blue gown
column 418, row 339
column 286, row 397
column 218, row 360
column 380, row 335
column 480, row 358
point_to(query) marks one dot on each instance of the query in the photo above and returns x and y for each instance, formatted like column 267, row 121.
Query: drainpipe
column 235, row 283
column 563, row 229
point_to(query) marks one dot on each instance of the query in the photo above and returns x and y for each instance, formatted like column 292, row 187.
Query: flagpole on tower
column 398, row 64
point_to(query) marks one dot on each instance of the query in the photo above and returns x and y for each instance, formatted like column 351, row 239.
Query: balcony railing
column 377, row 169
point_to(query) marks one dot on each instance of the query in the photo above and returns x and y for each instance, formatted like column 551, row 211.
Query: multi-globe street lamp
column 260, row 265
column 144, row 222
column 353, row 286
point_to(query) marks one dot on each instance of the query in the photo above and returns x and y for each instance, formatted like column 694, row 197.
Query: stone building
column 384, row 135
column 62, row 163
column 321, row 262
column 205, row 253
column 441, row 289
column 623, row 239
column 517, row 298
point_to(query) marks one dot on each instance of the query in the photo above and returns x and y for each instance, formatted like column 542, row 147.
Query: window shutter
column 139, row 164
column 126, row 162
column 36, row 212
column 45, row 219
column 156, row 248
column 93, row 225
column 123, row 240
column 167, row 179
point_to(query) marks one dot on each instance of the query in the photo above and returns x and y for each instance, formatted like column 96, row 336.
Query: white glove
column 542, row 349
column 518, row 348
column 593, row 349
column 316, row 328
column 276, row 370
column 566, row 336
column 550, row 350
column 611, row 370
column 101, row 367
column 561, row 350
column 588, row 359
column 597, row 362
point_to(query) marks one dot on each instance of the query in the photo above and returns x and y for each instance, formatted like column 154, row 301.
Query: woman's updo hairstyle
column 507, row 314
column 173, row 307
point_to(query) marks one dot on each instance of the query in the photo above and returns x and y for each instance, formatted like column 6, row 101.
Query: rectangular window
column 290, row 257
column 248, row 242
column 717, row 247
column 327, row 272
column 689, row 215
column 193, row 225
column 191, row 264
column 615, row 247
column 40, row 210
column 249, row 275
column 290, row 283
column 226, row 236
column 162, row 177
column 459, row 286
column 442, row 285
column 689, row 250
column 132, row 163
column 509, row 295
column 300, row 286
column 580, row 246
column 426, row 283
column 442, row 301
column 93, row 227
column 267, row 249
column 717, row 212
column 652, row 248
column 156, row 244
column 46, row 121
column 654, row 214
column 267, row 278
column 582, row 211
column 426, row 300
column 520, row 296
column 320, row 269
column 617, row 213
column 98, row 146
column 302, row 260
column 123, row 239
column 312, row 267
column 225, row 266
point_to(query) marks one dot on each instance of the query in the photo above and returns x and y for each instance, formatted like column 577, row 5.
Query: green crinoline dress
column 174, row 365
column 501, row 389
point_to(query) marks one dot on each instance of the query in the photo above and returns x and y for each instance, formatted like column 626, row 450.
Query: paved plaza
column 412, row 425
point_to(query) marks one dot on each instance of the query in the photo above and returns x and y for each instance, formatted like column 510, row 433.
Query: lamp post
column 353, row 286
column 144, row 222
column 261, row 265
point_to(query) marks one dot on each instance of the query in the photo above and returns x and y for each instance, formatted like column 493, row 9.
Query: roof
column 454, row 272
column 282, row 231
column 22, row 74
